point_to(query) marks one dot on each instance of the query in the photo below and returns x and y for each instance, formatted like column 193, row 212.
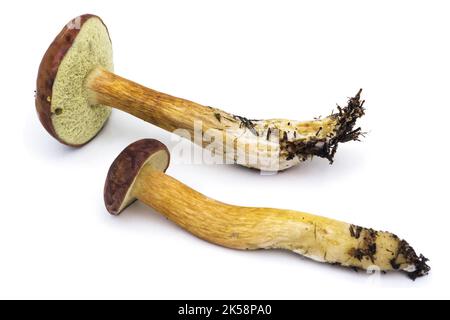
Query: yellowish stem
column 246, row 228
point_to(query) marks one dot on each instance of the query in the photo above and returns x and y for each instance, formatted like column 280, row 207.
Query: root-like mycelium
column 278, row 144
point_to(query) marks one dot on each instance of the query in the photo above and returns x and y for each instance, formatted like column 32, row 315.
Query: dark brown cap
column 48, row 70
column 124, row 170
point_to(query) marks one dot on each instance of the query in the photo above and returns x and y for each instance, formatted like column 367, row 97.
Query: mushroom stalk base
column 272, row 145
column 246, row 228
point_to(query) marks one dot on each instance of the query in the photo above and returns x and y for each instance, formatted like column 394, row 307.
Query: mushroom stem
column 272, row 145
column 163, row 110
column 319, row 238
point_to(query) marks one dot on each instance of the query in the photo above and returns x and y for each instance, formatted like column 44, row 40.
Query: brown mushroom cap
column 126, row 167
column 61, row 100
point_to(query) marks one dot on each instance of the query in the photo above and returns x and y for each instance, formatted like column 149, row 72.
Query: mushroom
column 138, row 173
column 76, row 87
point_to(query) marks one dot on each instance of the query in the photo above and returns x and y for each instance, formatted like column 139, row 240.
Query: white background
column 262, row 59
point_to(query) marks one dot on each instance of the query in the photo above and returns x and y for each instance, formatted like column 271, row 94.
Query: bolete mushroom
column 139, row 173
column 76, row 87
